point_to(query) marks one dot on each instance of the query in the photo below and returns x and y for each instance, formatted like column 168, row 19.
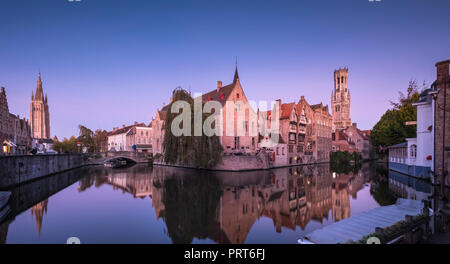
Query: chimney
column 115, row 129
column 442, row 69
column 278, row 106
column 123, row 126
column 219, row 85
column 136, row 123
column 354, row 125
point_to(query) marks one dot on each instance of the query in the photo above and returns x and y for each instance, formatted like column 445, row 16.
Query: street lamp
column 5, row 148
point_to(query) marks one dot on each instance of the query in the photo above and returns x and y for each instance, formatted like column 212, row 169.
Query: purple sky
column 105, row 63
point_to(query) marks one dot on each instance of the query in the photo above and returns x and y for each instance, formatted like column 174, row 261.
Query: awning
column 10, row 143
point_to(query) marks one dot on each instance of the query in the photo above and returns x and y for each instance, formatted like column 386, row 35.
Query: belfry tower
column 340, row 100
column 39, row 113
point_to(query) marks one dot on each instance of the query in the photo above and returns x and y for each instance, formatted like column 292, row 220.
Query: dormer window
column 237, row 95
column 222, row 96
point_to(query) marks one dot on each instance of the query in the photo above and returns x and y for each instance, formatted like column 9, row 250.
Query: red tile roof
column 286, row 110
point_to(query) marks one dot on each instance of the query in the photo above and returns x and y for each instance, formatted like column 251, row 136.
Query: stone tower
column 39, row 113
column 340, row 100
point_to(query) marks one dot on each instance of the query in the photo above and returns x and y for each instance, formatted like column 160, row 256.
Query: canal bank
column 19, row 169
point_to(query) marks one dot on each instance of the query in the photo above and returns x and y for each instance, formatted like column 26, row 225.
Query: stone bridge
column 138, row 157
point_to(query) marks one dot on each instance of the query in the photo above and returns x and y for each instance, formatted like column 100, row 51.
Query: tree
column 199, row 151
column 66, row 146
column 86, row 138
column 391, row 128
column 100, row 140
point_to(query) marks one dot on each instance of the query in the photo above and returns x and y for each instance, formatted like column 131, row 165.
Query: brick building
column 15, row 132
column 239, row 129
column 322, row 125
column 442, row 121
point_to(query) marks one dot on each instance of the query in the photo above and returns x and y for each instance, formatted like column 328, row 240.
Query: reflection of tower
column 340, row 198
column 340, row 100
column 38, row 212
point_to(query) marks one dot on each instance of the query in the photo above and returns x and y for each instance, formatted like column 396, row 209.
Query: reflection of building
column 409, row 187
column 39, row 113
column 38, row 212
column 291, row 197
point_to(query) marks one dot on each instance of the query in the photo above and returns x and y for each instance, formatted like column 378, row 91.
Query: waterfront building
column 239, row 129
column 140, row 138
column 158, row 129
column 136, row 137
column 415, row 156
column 39, row 113
column 15, row 132
column 341, row 142
column 322, row 125
column 352, row 139
column 441, row 89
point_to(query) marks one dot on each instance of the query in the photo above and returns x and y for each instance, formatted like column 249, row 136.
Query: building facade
column 137, row 137
column 15, row 132
column 39, row 113
column 442, row 122
column 304, row 131
column 340, row 100
column 322, row 126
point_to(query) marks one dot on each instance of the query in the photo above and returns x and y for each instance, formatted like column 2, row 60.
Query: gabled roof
column 221, row 95
column 120, row 131
column 286, row 110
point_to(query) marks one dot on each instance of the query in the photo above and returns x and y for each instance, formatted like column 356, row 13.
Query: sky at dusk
column 105, row 63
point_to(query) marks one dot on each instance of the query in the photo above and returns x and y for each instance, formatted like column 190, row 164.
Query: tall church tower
column 39, row 113
column 340, row 100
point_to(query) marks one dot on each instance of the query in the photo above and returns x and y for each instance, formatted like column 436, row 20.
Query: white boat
column 4, row 198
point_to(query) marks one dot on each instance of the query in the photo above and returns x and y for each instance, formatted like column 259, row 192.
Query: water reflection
column 199, row 205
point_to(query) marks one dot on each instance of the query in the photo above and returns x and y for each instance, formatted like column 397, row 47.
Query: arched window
column 413, row 151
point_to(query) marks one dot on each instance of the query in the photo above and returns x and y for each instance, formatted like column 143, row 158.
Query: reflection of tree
column 191, row 206
column 379, row 188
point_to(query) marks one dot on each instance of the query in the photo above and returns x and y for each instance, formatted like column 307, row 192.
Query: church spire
column 236, row 74
column 39, row 91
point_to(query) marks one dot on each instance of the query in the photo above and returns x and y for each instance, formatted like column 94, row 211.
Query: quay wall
column 19, row 169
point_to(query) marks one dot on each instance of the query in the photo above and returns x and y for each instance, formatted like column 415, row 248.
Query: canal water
column 144, row 204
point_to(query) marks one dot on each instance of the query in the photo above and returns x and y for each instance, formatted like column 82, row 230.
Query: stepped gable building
column 39, row 113
column 232, row 142
column 340, row 100
column 321, row 132
column 15, row 132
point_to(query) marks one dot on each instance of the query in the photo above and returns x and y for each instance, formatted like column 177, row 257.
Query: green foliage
column 66, row 146
column 87, row 138
column 391, row 128
column 345, row 162
column 199, row 151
